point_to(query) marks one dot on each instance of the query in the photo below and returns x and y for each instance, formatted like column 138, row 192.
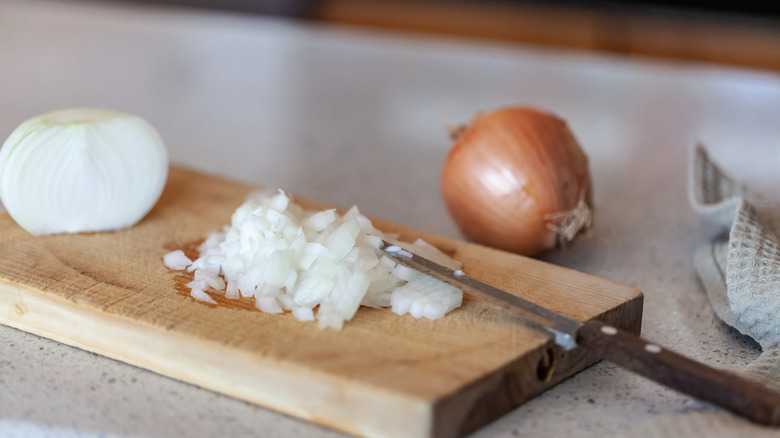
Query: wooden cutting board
column 382, row 375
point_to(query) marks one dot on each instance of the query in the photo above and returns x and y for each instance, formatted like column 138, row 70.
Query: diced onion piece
column 303, row 313
column 212, row 280
column 320, row 220
column 427, row 297
column 404, row 273
column 268, row 304
column 231, row 292
column 200, row 295
column 372, row 241
column 197, row 284
column 176, row 260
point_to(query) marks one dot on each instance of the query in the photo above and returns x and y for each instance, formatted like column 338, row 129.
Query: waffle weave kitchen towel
column 740, row 272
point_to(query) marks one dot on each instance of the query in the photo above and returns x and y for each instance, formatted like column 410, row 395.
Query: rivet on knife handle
column 722, row 388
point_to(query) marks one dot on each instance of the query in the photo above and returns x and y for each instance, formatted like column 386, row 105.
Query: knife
column 722, row 388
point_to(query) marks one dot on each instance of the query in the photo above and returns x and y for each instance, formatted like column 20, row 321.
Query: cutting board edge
column 468, row 403
column 323, row 399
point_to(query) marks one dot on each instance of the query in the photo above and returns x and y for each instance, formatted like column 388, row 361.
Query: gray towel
column 740, row 272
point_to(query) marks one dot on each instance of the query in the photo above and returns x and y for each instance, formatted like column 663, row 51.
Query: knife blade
column 722, row 388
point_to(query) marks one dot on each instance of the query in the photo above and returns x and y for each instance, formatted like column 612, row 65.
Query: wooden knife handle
column 696, row 379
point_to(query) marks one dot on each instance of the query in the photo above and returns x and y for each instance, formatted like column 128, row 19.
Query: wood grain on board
column 382, row 375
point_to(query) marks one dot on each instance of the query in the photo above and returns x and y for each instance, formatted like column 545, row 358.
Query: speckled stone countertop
column 352, row 117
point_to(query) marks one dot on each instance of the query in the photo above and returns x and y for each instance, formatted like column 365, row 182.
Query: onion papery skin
column 82, row 170
column 514, row 178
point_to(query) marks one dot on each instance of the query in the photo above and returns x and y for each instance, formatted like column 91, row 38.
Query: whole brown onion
column 516, row 179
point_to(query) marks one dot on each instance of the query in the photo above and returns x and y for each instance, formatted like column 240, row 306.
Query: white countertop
column 352, row 117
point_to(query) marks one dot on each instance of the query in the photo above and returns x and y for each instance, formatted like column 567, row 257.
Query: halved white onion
column 81, row 169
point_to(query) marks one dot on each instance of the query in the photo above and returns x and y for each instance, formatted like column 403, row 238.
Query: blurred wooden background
column 743, row 33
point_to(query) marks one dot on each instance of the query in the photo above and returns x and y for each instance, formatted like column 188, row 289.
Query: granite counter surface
column 348, row 116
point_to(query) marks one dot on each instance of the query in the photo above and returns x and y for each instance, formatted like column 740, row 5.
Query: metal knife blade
column 562, row 327
column 728, row 390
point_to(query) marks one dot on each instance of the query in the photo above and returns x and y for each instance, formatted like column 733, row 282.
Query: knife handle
column 696, row 379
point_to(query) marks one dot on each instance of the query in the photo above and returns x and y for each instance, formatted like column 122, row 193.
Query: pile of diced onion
column 318, row 265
